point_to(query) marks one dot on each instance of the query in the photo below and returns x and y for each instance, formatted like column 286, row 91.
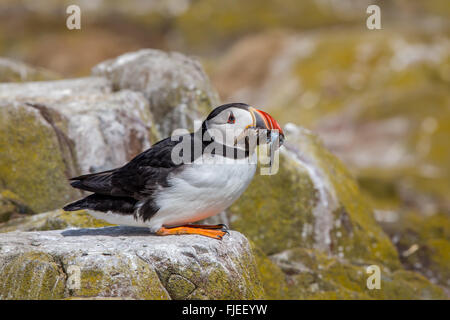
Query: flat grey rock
column 125, row 262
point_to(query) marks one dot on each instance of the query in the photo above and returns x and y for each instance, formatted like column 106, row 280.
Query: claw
column 223, row 225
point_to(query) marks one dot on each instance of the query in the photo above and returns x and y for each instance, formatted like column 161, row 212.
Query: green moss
column 430, row 236
column 32, row 275
column 277, row 212
column 31, row 165
column 10, row 204
column 179, row 287
column 80, row 219
column 272, row 278
column 107, row 281
column 251, row 278
column 322, row 277
column 53, row 220
column 284, row 202
column 241, row 280
column 206, row 22
column 357, row 232
column 12, row 71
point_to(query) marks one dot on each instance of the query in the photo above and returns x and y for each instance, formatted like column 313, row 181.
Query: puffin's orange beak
column 263, row 120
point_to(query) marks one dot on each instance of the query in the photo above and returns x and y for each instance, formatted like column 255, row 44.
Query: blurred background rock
column 378, row 99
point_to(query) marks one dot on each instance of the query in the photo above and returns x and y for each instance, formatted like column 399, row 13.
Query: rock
column 314, row 275
column 314, row 232
column 11, row 205
column 312, row 202
column 16, row 71
column 52, row 220
column 213, row 24
column 51, row 131
column 423, row 244
column 121, row 262
column 178, row 90
column 378, row 100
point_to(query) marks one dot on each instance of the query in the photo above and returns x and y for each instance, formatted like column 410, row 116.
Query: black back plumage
column 120, row 190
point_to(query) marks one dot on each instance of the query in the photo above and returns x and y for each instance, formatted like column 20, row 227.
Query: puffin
column 184, row 178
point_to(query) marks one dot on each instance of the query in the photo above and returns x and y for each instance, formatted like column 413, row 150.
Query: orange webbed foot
column 213, row 231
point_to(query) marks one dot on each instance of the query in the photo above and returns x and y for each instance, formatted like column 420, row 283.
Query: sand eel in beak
column 168, row 187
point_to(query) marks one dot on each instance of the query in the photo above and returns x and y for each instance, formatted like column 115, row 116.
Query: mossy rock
column 51, row 131
column 313, row 275
column 31, row 164
column 121, row 277
column 53, row 220
column 423, row 244
column 363, row 93
column 178, row 90
column 16, row 71
column 272, row 277
column 32, row 275
column 11, row 205
column 312, row 202
column 208, row 278
column 120, row 262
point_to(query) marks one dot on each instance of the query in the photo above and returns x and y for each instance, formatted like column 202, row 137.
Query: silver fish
column 275, row 142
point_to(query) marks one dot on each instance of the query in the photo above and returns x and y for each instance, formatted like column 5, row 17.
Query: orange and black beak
column 263, row 120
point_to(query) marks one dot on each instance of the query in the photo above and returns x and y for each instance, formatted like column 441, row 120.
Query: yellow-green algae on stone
column 53, row 220
column 31, row 164
column 32, row 275
column 355, row 229
column 423, row 243
column 272, row 277
column 16, row 71
column 275, row 208
column 313, row 275
column 11, row 205
column 119, row 276
column 312, row 202
column 235, row 278
column 128, row 262
column 176, row 86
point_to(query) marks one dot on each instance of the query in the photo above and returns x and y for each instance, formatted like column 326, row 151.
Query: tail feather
column 104, row 203
column 99, row 182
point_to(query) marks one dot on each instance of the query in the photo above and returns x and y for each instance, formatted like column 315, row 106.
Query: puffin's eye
column 231, row 118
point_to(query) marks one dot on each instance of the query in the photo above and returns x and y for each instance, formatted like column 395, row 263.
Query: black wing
column 138, row 178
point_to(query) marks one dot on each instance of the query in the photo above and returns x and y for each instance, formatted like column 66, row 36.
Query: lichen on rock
column 317, row 205
column 11, row 206
column 53, row 220
column 314, row 275
column 176, row 87
column 127, row 263
column 16, row 71
column 31, row 165
column 52, row 131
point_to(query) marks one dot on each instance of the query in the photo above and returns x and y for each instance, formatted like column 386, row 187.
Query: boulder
column 52, row 220
column 51, row 131
column 312, row 202
column 11, row 205
column 16, row 71
column 121, row 262
column 176, row 87
column 379, row 101
column 311, row 274
column 315, row 233
column 423, row 244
